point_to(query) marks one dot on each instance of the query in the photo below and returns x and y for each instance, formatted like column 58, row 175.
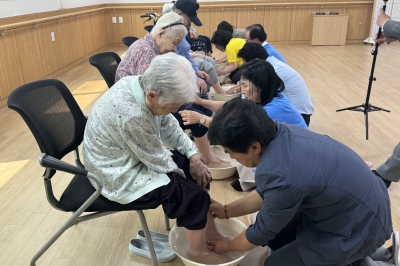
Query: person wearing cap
column 203, row 62
column 188, row 10
column 198, row 131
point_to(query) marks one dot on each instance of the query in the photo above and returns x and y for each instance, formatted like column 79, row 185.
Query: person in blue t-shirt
column 256, row 33
column 259, row 83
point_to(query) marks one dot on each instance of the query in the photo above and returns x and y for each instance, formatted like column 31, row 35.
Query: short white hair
column 167, row 8
column 165, row 21
column 172, row 77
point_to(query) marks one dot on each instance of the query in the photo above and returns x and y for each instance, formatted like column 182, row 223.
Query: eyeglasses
column 174, row 24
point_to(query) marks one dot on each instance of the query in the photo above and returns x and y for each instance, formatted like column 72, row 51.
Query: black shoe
column 236, row 185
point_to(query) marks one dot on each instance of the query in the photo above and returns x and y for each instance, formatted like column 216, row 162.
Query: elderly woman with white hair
column 123, row 145
column 165, row 36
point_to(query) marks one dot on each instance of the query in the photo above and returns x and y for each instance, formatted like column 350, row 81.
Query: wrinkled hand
column 190, row 117
column 219, row 246
column 193, row 35
column 197, row 100
column 382, row 17
column 199, row 171
column 217, row 209
column 203, row 75
column 232, row 90
column 203, row 88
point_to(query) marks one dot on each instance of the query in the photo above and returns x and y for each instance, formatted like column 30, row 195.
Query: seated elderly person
column 165, row 37
column 319, row 203
column 123, row 145
column 224, row 42
column 203, row 62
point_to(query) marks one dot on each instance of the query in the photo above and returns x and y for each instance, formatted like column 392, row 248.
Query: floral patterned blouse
column 123, row 143
column 138, row 57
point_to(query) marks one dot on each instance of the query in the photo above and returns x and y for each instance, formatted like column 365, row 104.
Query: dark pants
column 306, row 118
column 197, row 130
column 182, row 199
column 285, row 246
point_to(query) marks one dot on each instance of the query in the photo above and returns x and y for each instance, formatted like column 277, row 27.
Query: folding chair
column 58, row 124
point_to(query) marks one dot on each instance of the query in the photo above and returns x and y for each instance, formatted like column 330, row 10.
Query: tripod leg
column 366, row 123
column 352, row 108
column 376, row 108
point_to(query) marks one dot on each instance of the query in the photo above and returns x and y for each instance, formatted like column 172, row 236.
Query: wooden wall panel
column 86, row 34
column 277, row 23
column 29, row 53
column 101, row 18
column 99, row 29
column 301, row 22
column 359, row 21
column 119, row 30
column 75, row 37
column 204, row 15
column 219, row 14
column 341, row 9
column 63, row 42
column 249, row 16
column 50, row 54
column 139, row 23
column 10, row 67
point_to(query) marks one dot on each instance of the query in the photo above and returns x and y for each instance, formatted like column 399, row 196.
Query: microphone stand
column 367, row 107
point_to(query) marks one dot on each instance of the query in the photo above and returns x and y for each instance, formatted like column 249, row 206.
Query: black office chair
column 58, row 124
column 107, row 64
column 128, row 40
column 148, row 28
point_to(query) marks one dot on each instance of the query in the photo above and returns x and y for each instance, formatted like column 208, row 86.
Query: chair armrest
column 53, row 163
column 56, row 164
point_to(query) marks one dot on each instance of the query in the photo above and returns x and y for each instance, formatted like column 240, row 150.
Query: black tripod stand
column 367, row 107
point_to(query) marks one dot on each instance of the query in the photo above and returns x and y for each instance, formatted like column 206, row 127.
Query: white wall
column 159, row 1
column 9, row 8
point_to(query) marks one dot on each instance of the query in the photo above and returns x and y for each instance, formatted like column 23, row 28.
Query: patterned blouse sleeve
column 140, row 135
column 173, row 135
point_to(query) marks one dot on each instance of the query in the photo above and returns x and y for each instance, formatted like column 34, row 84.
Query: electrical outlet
column 53, row 37
column 114, row 19
column 120, row 20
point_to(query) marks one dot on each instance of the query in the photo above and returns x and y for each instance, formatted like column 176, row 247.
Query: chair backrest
column 128, row 40
column 148, row 28
column 107, row 64
column 52, row 114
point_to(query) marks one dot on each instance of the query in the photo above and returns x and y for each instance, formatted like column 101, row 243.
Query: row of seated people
column 152, row 101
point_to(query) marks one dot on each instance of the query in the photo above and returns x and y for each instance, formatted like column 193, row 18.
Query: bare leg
column 203, row 145
column 198, row 250
column 218, row 89
column 211, row 231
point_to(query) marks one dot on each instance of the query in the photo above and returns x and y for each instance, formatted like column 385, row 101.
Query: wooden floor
column 337, row 77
